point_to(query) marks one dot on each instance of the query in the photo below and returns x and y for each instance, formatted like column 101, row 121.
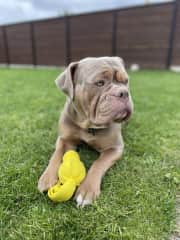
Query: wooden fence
column 146, row 35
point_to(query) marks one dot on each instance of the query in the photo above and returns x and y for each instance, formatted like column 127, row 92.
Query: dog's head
column 98, row 89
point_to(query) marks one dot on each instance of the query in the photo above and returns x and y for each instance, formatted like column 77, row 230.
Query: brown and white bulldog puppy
column 98, row 100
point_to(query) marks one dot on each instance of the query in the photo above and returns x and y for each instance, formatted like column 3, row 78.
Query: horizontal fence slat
column 50, row 42
column 19, row 44
column 91, row 35
column 3, row 46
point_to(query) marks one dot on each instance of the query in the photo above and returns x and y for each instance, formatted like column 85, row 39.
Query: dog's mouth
column 118, row 111
column 123, row 115
column 109, row 108
column 117, row 116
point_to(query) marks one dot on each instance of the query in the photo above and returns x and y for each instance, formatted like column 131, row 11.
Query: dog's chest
column 88, row 137
column 100, row 140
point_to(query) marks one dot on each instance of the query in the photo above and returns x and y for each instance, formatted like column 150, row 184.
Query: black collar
column 94, row 131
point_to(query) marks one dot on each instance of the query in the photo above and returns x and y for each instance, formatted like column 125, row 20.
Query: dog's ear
column 65, row 81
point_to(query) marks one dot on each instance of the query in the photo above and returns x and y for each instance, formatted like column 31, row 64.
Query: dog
column 98, row 101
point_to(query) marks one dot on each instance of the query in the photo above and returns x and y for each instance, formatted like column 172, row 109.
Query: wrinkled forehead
column 105, row 67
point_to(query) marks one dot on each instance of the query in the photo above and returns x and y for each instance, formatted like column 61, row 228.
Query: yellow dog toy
column 71, row 173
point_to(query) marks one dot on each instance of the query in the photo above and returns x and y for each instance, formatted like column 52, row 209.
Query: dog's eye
column 100, row 83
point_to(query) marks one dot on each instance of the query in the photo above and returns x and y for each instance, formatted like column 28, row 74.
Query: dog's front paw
column 87, row 192
column 47, row 180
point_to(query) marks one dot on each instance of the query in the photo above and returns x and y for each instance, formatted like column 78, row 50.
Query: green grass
column 138, row 193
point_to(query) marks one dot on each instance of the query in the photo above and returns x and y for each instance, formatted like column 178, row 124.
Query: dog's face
column 99, row 89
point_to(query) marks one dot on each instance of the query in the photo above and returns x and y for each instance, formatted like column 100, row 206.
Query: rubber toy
column 71, row 173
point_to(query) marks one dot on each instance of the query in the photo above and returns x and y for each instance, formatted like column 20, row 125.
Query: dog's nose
column 123, row 94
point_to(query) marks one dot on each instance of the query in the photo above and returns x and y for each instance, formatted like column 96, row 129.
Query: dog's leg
column 89, row 189
column 50, row 175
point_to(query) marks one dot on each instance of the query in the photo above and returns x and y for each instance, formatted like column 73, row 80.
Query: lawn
column 138, row 193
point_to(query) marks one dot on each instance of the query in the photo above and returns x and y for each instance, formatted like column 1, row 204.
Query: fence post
column 68, row 39
column 114, row 33
column 6, row 46
column 172, row 35
column 33, row 44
